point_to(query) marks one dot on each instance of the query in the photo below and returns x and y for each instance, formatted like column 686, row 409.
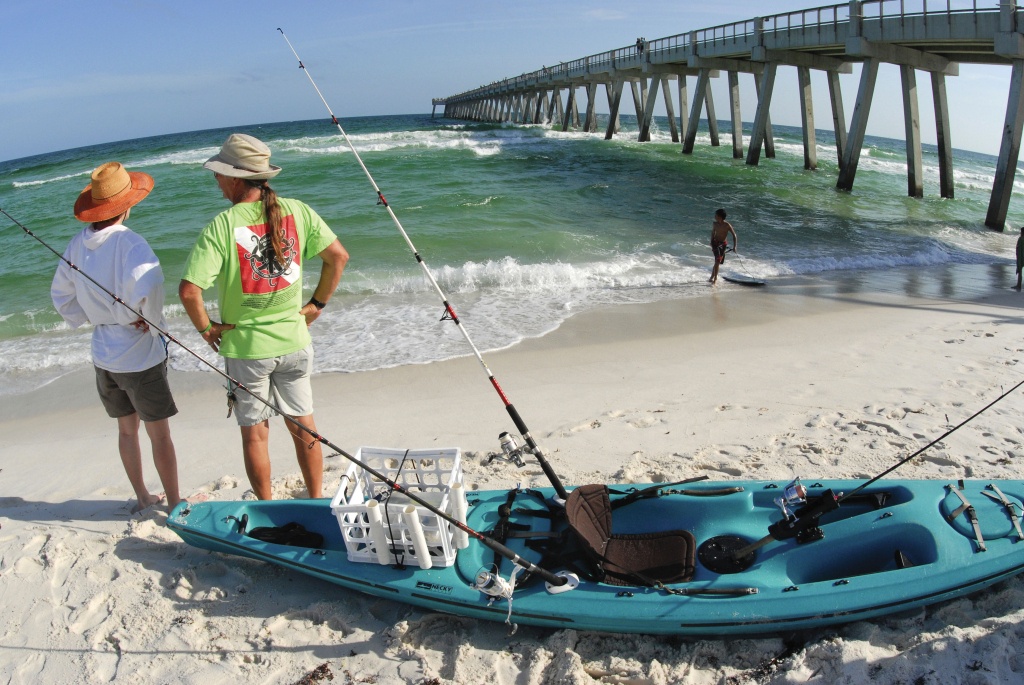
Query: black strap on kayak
column 1010, row 507
column 972, row 515
column 505, row 528
column 384, row 499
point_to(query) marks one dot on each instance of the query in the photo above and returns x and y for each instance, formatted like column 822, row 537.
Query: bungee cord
column 316, row 436
column 534, row 448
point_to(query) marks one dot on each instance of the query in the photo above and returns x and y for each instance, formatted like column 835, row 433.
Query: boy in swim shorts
column 720, row 231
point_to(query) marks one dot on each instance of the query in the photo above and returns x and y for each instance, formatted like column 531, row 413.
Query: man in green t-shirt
column 255, row 253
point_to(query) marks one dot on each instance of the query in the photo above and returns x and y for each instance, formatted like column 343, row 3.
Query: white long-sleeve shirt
column 122, row 262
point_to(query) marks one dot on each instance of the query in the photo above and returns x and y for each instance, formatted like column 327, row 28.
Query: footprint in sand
column 588, row 425
column 212, row 581
column 720, row 468
column 644, row 422
column 102, row 574
column 26, row 567
column 33, row 560
column 204, row 492
column 940, row 461
column 94, row 613
column 320, row 614
column 863, row 425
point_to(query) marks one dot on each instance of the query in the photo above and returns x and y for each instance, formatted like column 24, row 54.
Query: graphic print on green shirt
column 254, row 293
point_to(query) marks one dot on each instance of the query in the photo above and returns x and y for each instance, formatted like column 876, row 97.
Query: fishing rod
column 532, row 445
column 494, row 545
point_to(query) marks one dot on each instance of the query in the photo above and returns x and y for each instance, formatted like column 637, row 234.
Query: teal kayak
column 893, row 546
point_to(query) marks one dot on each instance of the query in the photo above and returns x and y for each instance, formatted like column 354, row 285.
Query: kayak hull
column 891, row 549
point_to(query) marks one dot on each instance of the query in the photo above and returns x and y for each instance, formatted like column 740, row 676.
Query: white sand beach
column 818, row 377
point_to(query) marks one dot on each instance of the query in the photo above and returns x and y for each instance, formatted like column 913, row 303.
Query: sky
column 79, row 73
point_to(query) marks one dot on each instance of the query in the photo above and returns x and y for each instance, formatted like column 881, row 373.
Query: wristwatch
column 317, row 303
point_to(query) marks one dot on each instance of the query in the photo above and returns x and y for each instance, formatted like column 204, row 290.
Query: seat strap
column 972, row 516
column 1010, row 508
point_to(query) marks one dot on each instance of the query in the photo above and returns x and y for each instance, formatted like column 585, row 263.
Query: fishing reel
column 793, row 494
column 511, row 450
column 802, row 523
column 491, row 584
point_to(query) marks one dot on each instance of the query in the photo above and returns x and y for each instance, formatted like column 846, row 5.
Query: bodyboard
column 740, row 279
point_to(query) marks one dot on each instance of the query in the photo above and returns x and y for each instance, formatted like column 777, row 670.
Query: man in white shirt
column 129, row 357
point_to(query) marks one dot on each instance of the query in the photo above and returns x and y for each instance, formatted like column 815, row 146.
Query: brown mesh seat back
column 589, row 513
column 628, row 559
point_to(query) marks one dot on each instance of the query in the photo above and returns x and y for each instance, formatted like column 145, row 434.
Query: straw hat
column 112, row 191
column 243, row 156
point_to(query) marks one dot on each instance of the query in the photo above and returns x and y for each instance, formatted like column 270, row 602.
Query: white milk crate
column 428, row 474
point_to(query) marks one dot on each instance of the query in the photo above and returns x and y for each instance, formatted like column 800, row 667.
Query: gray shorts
column 282, row 381
column 144, row 392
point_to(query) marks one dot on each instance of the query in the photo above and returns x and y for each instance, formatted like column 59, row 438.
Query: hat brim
column 90, row 211
column 219, row 166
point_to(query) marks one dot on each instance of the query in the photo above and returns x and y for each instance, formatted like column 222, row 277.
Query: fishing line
column 491, row 543
column 449, row 311
column 933, row 442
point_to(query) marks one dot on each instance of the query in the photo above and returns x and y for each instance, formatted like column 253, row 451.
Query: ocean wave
column 193, row 156
column 55, row 179
column 481, row 143
column 394, row 318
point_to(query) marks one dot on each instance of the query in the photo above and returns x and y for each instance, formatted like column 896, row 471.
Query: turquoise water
column 522, row 226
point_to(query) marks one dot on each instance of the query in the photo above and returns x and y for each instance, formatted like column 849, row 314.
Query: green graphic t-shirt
column 255, row 293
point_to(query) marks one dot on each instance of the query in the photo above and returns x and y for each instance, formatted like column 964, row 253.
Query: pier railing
column 823, row 26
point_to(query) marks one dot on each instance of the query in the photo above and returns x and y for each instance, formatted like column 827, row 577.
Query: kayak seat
column 627, row 559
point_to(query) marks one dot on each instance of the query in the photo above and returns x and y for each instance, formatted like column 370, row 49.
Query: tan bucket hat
column 113, row 190
column 243, row 156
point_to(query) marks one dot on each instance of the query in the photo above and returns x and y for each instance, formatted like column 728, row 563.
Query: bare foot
column 198, row 497
column 150, row 501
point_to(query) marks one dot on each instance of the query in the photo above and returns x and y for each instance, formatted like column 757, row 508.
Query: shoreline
column 580, row 368
column 816, row 377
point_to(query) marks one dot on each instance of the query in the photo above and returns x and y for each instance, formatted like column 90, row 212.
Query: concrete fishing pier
column 930, row 36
